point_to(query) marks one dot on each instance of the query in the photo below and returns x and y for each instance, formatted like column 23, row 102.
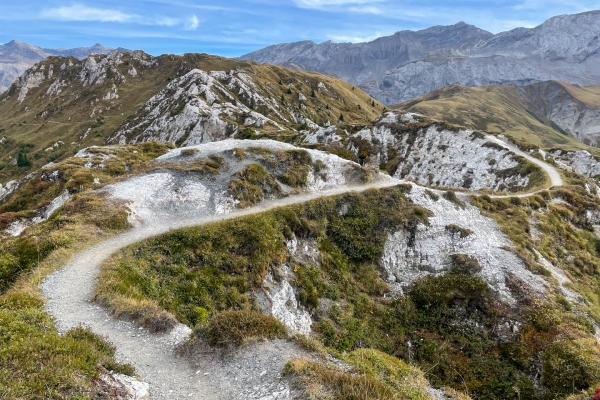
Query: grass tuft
column 238, row 327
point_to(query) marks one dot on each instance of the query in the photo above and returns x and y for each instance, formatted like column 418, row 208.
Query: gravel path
column 553, row 174
column 171, row 377
column 248, row 373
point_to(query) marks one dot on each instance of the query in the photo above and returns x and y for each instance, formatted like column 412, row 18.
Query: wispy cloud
column 192, row 24
column 367, row 10
column 323, row 4
column 79, row 12
column 353, row 38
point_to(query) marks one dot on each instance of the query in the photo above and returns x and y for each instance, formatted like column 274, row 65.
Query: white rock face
column 280, row 302
column 433, row 156
column 17, row 227
column 10, row 187
column 581, row 162
column 30, row 80
column 450, row 159
column 95, row 69
column 158, row 195
column 123, row 387
column 408, row 257
column 323, row 135
column 176, row 195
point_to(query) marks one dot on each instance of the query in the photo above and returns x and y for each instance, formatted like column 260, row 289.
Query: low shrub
column 457, row 230
column 188, row 152
column 451, row 197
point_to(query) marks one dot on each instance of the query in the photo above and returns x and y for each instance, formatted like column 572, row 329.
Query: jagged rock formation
column 16, row 57
column 202, row 107
column 563, row 48
column 63, row 104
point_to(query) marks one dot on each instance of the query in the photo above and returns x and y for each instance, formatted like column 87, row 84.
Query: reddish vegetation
column 597, row 395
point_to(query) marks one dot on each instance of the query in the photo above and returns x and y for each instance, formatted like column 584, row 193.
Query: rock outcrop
column 430, row 153
column 16, row 57
column 120, row 387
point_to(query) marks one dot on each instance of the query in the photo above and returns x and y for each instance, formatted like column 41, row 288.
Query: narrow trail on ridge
column 69, row 292
column 555, row 178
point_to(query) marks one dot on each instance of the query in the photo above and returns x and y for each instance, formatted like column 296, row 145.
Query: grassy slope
column 497, row 109
column 201, row 272
column 589, row 95
column 35, row 361
column 70, row 114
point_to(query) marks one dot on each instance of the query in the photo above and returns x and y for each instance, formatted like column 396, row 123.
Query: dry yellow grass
column 498, row 109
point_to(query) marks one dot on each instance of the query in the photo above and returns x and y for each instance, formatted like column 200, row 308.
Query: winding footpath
column 69, row 292
column 553, row 174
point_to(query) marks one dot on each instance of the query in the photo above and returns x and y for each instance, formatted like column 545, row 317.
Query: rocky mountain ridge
column 16, row 57
column 564, row 48
column 63, row 104
column 576, row 110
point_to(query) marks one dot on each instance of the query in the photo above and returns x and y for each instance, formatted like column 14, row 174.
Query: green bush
column 23, row 160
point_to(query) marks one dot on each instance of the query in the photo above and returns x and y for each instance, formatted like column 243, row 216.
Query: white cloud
column 79, row 12
column 367, row 10
column 192, row 24
column 321, row 4
column 354, row 39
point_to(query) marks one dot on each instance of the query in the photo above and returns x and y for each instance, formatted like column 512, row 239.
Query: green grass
column 250, row 186
column 215, row 266
column 238, row 327
column 38, row 363
column 35, row 361
column 375, row 375
column 262, row 179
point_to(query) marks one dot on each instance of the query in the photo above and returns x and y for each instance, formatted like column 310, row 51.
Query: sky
column 235, row 27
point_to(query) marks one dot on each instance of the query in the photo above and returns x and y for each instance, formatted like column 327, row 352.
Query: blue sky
column 234, row 27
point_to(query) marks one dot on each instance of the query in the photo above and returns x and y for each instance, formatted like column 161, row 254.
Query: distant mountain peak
column 409, row 64
column 16, row 57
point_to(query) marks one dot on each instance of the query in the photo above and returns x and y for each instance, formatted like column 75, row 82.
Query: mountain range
column 410, row 64
column 16, row 57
